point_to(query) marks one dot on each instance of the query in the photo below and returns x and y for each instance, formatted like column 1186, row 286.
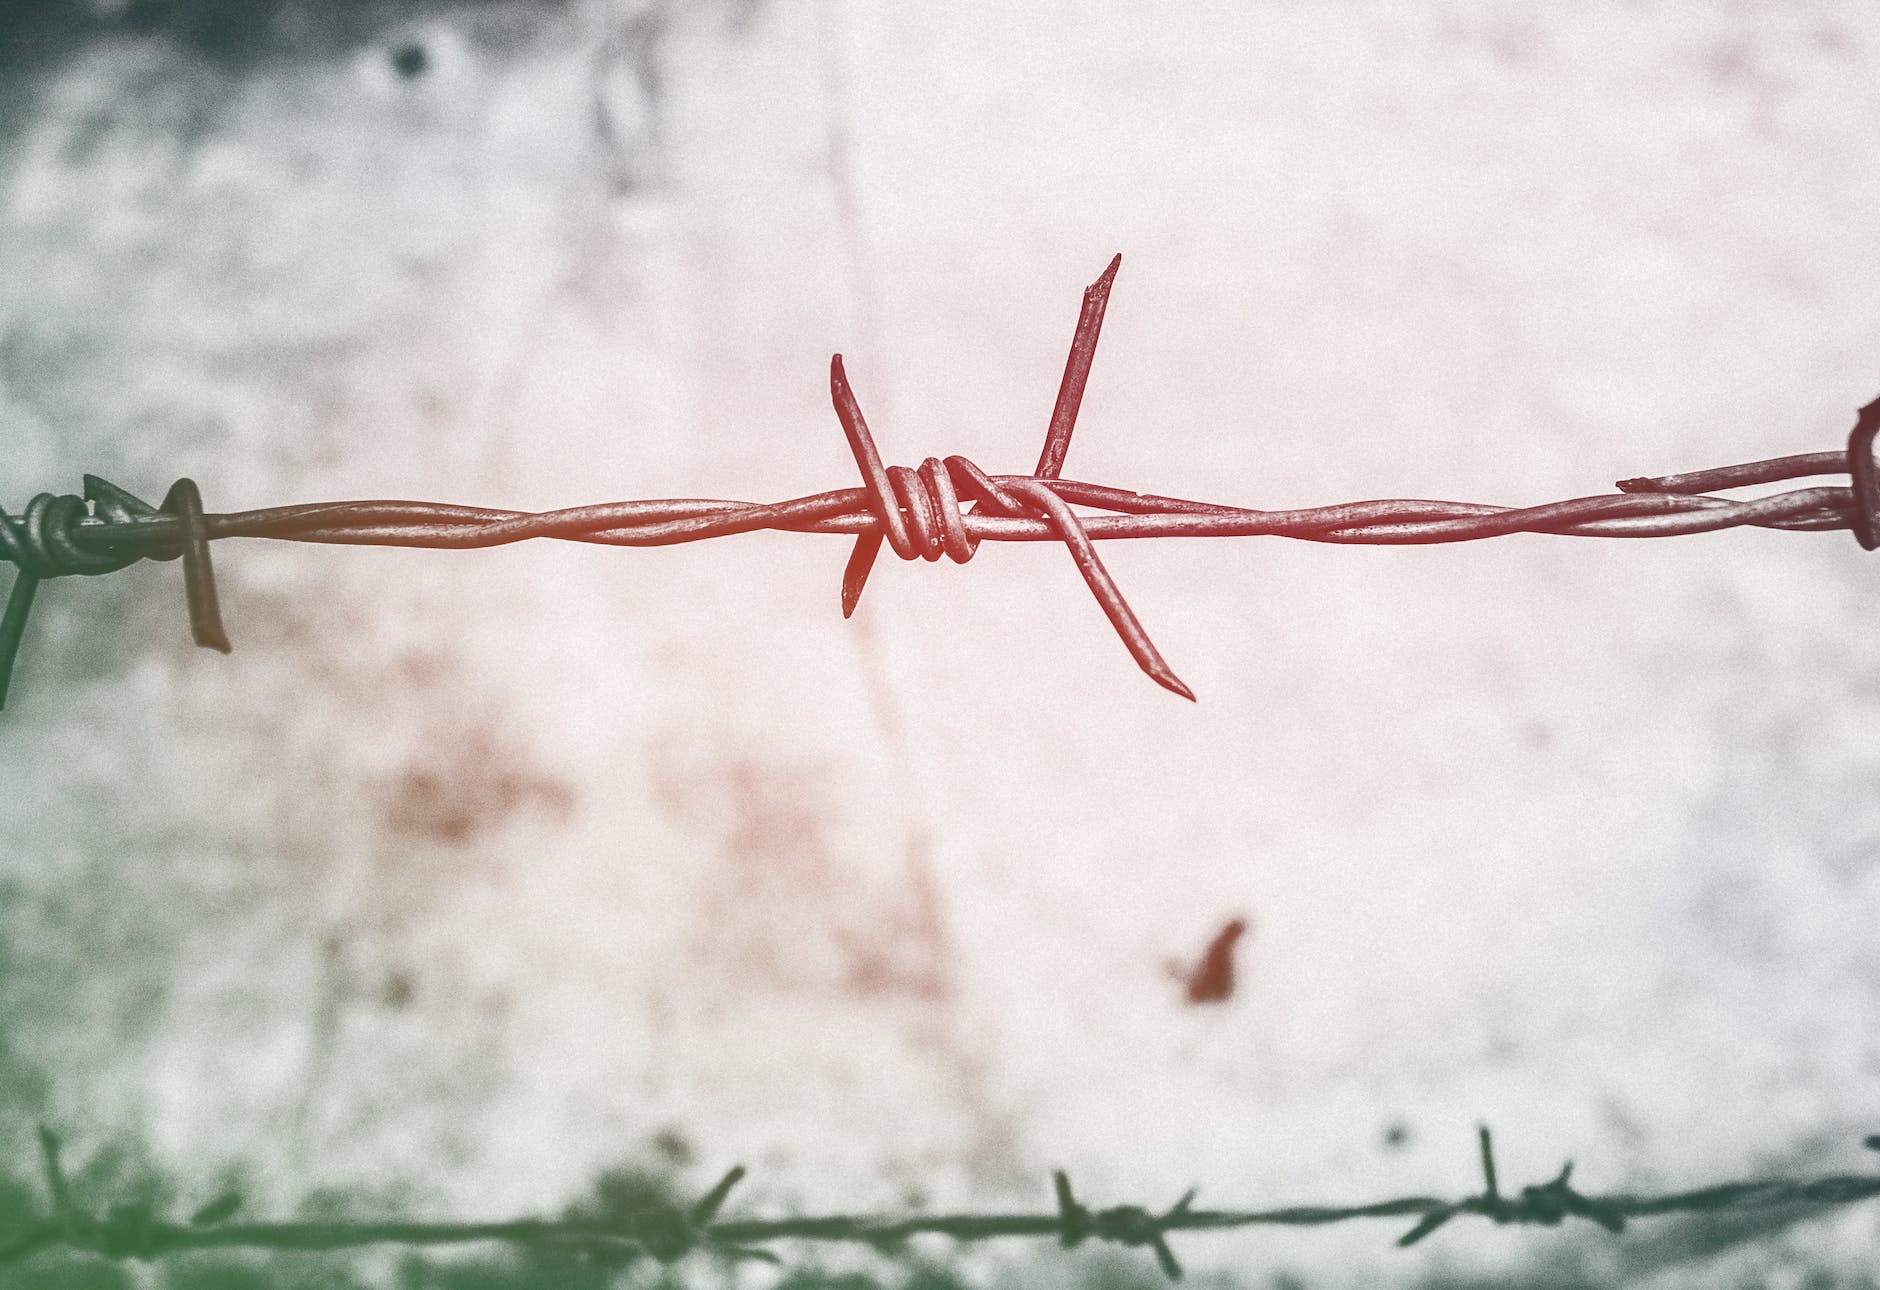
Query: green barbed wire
column 667, row 1232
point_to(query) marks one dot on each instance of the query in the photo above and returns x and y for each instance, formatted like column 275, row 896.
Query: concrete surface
column 469, row 875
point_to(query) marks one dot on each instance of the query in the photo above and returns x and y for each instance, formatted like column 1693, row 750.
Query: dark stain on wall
column 458, row 789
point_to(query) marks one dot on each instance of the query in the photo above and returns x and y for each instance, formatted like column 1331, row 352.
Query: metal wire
column 921, row 514
column 668, row 1232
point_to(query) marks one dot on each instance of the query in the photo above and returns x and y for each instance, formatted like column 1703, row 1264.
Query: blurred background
column 548, row 879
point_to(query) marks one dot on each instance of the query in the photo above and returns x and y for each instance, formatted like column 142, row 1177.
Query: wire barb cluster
column 920, row 514
column 668, row 1233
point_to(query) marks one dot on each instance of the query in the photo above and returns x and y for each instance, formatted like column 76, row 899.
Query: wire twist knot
column 123, row 1231
column 42, row 544
column 40, row 540
column 1547, row 1204
column 917, row 512
column 1543, row 1204
column 669, row 1233
column 1127, row 1225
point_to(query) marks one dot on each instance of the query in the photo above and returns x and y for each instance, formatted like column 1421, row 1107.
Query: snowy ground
column 469, row 876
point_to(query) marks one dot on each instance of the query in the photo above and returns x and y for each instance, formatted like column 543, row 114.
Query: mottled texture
column 468, row 876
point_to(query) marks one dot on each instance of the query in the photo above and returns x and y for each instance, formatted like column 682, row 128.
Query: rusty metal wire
column 920, row 514
column 668, row 1232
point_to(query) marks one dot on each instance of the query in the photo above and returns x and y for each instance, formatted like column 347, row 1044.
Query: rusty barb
column 668, row 1233
column 946, row 507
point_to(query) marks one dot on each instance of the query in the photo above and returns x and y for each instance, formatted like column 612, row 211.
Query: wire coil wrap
column 40, row 541
column 1860, row 464
column 43, row 543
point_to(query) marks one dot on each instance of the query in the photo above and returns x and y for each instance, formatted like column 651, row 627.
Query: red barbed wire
column 669, row 1232
column 919, row 514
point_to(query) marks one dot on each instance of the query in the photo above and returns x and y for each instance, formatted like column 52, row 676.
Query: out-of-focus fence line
column 669, row 1232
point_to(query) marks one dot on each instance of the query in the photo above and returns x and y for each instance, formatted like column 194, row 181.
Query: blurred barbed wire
column 919, row 514
column 668, row 1232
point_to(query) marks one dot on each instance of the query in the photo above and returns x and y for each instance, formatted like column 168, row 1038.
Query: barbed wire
column 919, row 513
column 668, row 1232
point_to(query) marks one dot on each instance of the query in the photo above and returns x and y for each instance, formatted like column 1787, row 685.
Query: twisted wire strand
column 924, row 514
column 669, row 1232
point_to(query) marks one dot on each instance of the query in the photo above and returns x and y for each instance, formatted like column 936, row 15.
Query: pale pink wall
column 480, row 869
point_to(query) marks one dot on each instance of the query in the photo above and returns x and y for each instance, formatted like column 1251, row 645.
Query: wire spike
column 1109, row 596
column 1165, row 1257
column 219, row 1210
column 747, row 1254
column 867, row 459
column 112, row 502
column 1425, row 1225
column 855, row 572
column 57, row 1185
column 1491, row 1192
column 13, row 624
column 205, row 611
column 1073, row 1218
column 707, row 1208
column 1070, row 396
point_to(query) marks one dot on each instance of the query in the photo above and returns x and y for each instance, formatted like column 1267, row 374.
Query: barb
column 668, row 1233
column 920, row 514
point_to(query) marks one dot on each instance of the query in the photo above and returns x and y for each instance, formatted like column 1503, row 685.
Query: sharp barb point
column 219, row 1210
column 1174, row 684
column 713, row 1200
column 1426, row 1225
column 56, row 1182
column 855, row 573
column 1491, row 1187
column 1165, row 1257
column 1070, row 396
